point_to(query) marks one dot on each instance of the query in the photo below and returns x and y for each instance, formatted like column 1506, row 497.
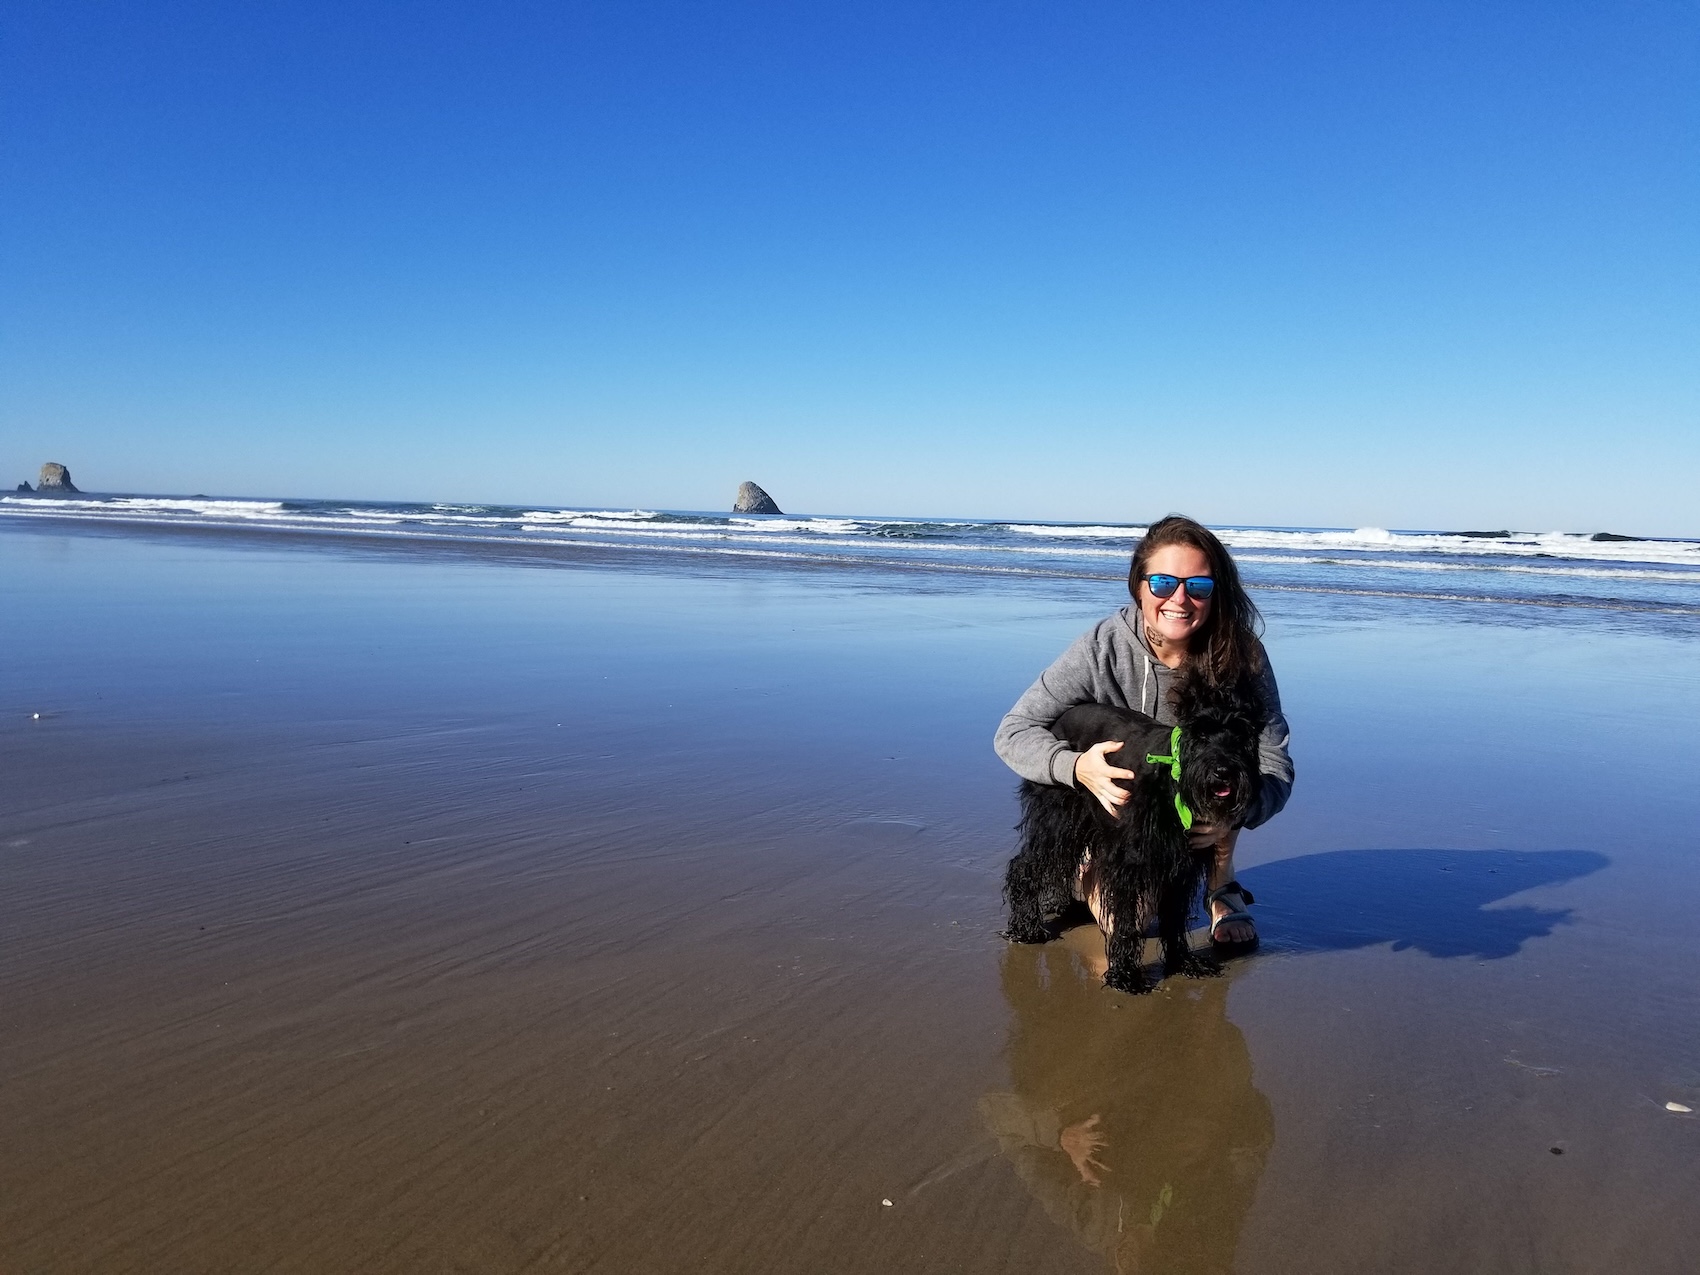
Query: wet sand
column 388, row 912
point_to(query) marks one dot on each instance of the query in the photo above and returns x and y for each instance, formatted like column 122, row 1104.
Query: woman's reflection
column 1133, row 1118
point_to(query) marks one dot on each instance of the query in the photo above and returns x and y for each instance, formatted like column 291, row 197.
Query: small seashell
column 1677, row 1106
column 887, row 1203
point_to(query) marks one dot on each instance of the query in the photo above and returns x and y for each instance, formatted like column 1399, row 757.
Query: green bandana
column 1173, row 761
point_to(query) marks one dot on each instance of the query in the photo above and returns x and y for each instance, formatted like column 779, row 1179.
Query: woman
column 1190, row 618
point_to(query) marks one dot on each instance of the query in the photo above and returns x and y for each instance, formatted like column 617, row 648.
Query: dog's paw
column 1195, row 965
column 1127, row 978
column 1027, row 934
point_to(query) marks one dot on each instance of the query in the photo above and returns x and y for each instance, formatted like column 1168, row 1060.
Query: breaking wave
column 1550, row 567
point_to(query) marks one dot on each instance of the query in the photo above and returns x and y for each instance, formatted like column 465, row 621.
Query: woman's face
column 1176, row 618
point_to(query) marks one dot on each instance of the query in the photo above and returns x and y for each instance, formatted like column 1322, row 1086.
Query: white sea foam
column 1669, row 575
column 1554, row 544
column 676, row 527
column 824, row 526
column 1562, row 544
column 1129, row 534
column 926, row 550
column 624, row 516
column 217, row 508
column 580, row 523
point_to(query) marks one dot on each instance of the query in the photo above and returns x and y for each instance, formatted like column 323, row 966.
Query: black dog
column 1201, row 772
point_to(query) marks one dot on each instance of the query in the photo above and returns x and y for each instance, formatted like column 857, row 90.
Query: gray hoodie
column 1110, row 664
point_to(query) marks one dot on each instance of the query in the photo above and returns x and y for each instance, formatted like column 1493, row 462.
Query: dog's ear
column 1242, row 725
column 1197, row 698
column 1234, row 709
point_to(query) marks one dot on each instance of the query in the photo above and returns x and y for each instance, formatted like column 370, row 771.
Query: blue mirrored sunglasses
column 1198, row 588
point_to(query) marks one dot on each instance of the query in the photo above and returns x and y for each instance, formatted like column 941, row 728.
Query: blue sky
column 1415, row 265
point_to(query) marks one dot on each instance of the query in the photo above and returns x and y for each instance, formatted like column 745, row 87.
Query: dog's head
column 1219, row 771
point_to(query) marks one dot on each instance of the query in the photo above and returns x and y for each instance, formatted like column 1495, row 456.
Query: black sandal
column 1242, row 946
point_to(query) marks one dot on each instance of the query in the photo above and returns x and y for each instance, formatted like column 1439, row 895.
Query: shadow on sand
column 1437, row 901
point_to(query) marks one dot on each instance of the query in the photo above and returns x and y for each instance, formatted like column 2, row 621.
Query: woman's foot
column 1231, row 925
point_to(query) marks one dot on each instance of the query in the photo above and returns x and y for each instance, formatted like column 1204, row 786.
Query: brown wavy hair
column 1226, row 651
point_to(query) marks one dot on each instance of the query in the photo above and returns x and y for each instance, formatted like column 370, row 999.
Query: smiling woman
column 1190, row 618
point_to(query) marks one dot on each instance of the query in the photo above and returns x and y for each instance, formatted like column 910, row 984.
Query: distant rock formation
column 55, row 477
column 751, row 500
column 1609, row 537
column 25, row 487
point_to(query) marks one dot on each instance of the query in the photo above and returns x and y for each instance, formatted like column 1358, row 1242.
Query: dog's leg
column 1123, row 947
column 1173, row 915
column 1122, row 951
column 1023, row 890
column 1180, row 958
column 1056, row 833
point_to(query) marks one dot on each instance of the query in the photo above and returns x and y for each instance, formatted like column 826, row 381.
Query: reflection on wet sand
column 1133, row 1120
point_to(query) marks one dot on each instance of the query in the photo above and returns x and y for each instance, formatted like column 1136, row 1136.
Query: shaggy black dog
column 1202, row 772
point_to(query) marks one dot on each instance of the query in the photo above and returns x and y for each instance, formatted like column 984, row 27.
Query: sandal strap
column 1233, row 887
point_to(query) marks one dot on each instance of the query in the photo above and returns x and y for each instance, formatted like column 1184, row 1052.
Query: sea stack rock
column 25, row 487
column 751, row 500
column 55, row 477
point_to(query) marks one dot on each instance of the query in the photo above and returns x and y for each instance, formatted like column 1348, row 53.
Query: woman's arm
column 1024, row 738
column 1273, row 759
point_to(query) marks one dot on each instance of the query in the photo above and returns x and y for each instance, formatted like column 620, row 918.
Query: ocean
column 399, row 887
column 1588, row 571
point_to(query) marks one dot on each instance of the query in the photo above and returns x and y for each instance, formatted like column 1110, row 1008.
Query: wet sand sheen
column 487, row 1053
column 326, row 947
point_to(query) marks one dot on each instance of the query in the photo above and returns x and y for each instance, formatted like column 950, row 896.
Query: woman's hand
column 1082, row 1142
column 1093, row 773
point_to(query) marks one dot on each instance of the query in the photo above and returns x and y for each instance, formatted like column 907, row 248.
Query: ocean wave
column 1275, row 556
column 823, row 526
column 224, row 508
column 629, row 527
column 1551, row 544
column 1065, row 531
column 622, row 516
column 1673, row 574
column 742, row 535
column 1597, row 546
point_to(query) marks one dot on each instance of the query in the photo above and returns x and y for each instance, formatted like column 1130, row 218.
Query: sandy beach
column 375, row 908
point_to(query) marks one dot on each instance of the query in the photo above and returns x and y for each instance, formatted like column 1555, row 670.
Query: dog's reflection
column 1133, row 1119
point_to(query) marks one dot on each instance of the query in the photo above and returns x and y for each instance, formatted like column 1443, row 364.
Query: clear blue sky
column 1412, row 264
